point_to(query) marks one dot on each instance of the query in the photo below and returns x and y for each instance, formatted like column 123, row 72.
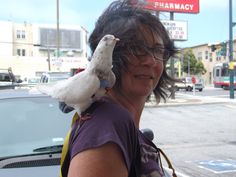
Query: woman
column 109, row 143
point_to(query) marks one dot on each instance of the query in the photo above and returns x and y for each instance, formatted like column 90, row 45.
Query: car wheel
column 189, row 88
column 176, row 88
column 200, row 90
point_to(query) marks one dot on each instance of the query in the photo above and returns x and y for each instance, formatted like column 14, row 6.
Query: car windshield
column 188, row 79
column 33, row 80
column 54, row 79
column 31, row 123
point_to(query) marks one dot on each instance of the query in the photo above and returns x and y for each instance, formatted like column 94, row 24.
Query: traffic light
column 213, row 48
column 223, row 49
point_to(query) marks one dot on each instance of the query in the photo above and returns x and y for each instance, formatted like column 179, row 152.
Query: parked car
column 49, row 77
column 187, row 84
column 32, row 132
column 8, row 80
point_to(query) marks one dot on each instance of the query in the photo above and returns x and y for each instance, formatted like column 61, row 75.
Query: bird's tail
column 46, row 88
column 52, row 89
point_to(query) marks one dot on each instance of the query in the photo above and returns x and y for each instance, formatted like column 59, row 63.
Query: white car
column 49, row 77
column 186, row 84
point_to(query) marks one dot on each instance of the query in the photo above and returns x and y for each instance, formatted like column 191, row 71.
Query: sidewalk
column 185, row 99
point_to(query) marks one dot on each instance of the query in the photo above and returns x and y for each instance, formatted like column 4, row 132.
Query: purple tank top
column 110, row 122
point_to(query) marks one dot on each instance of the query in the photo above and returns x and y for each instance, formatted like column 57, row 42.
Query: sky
column 210, row 25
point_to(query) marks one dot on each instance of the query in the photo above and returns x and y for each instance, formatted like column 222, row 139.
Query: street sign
column 181, row 6
column 177, row 29
column 193, row 80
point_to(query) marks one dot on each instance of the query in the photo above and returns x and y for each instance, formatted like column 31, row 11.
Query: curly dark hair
column 126, row 22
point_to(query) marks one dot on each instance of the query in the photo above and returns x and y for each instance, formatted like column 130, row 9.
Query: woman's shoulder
column 107, row 110
column 106, row 117
column 107, row 123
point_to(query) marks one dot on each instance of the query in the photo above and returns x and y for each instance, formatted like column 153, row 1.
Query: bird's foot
column 85, row 116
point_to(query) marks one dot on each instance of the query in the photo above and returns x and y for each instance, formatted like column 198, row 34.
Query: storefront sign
column 177, row 29
column 182, row 6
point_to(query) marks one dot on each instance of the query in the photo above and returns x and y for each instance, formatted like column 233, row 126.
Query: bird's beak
column 117, row 39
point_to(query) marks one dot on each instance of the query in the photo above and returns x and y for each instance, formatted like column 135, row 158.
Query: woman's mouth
column 144, row 76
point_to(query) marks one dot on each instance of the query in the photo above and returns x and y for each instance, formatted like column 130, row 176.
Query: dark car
column 32, row 133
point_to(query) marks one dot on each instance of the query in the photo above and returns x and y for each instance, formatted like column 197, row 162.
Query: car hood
column 47, row 171
column 44, row 165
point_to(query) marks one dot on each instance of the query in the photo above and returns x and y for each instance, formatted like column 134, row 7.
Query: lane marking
column 179, row 174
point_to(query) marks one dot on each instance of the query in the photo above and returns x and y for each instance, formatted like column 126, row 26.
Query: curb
column 187, row 100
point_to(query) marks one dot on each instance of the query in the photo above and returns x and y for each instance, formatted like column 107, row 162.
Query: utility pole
column 58, row 32
column 172, row 67
column 49, row 60
column 231, row 65
column 188, row 66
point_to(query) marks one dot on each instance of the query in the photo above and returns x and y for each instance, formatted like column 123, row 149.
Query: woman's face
column 143, row 71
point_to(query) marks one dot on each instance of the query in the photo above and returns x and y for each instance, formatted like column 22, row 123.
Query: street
column 210, row 91
column 199, row 139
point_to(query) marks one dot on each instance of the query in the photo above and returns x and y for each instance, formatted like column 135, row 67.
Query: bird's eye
column 105, row 38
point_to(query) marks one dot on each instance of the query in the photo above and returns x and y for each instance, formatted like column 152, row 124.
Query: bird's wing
column 80, row 89
column 74, row 90
column 111, row 78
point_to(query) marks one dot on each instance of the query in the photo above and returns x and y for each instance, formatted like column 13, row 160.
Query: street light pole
column 231, row 65
column 172, row 66
column 49, row 60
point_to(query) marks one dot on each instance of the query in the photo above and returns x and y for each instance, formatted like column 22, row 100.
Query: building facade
column 210, row 54
column 33, row 48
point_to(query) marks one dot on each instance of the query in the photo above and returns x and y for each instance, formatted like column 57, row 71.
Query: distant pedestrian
column 12, row 76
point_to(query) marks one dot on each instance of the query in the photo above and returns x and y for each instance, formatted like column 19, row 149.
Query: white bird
column 82, row 89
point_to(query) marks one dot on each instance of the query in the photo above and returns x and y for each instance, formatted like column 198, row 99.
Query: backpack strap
column 65, row 155
column 135, row 165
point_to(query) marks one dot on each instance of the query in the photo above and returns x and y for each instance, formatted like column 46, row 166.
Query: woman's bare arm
column 104, row 161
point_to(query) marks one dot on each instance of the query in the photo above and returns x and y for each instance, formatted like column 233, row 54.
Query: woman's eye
column 158, row 52
column 139, row 51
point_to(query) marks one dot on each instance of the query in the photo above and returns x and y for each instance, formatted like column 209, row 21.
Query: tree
column 191, row 64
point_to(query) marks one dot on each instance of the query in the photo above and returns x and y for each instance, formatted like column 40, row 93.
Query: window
column 23, row 52
column 199, row 55
column 4, row 77
column 23, row 34
column 206, row 55
column 210, row 77
column 18, row 52
column 225, row 72
column 210, row 57
column 218, row 72
column 18, row 32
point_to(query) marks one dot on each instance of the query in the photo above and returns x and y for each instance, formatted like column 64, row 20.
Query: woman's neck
column 134, row 105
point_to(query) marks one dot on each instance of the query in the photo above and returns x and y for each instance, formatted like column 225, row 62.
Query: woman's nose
column 148, row 60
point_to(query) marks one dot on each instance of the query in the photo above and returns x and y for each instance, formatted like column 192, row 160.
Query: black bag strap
column 170, row 166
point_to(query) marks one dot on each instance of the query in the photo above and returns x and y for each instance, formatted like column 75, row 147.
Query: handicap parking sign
column 218, row 166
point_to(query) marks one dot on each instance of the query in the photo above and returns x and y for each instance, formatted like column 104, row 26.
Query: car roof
column 56, row 74
column 20, row 93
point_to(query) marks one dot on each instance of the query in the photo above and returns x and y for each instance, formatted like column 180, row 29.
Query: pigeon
column 87, row 86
